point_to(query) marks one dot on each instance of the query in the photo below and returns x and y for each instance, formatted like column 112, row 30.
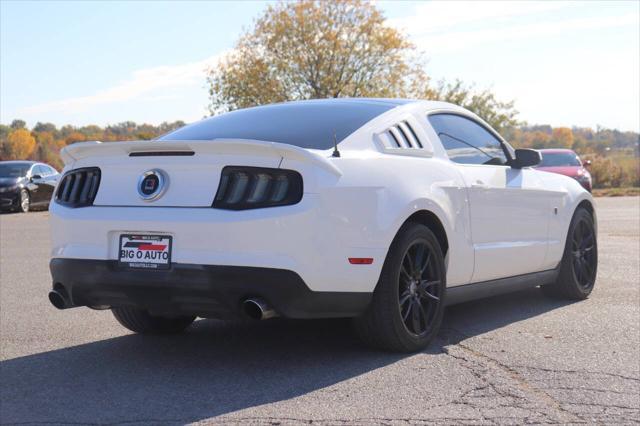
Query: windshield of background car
column 559, row 159
column 312, row 125
column 14, row 170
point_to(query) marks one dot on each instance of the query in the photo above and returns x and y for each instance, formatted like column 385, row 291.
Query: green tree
column 326, row 49
column 18, row 124
column 4, row 147
column 44, row 127
column 498, row 114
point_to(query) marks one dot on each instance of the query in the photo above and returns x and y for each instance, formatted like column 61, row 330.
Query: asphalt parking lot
column 513, row 359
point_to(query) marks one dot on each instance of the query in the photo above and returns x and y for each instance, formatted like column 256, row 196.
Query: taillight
column 78, row 188
column 243, row 188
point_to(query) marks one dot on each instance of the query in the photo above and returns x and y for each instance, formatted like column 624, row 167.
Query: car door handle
column 479, row 185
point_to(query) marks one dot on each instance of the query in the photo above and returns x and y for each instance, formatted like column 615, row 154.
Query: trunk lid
column 191, row 169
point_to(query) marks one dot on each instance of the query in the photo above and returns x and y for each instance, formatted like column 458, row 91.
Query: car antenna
column 336, row 153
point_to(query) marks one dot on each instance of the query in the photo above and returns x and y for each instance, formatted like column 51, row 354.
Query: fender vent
column 78, row 188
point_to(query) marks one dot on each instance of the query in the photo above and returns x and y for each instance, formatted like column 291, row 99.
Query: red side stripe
column 159, row 247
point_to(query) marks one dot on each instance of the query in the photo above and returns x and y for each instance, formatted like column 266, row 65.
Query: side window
column 49, row 171
column 38, row 170
column 466, row 141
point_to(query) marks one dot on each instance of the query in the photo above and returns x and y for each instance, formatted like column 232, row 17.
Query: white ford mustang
column 383, row 210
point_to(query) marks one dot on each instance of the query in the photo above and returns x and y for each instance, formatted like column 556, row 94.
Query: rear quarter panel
column 367, row 205
column 565, row 194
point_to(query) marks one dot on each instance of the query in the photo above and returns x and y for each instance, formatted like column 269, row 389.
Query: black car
column 26, row 184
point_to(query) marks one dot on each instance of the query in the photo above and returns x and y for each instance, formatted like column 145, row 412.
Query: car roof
column 309, row 124
column 557, row 150
column 390, row 102
column 385, row 101
column 29, row 162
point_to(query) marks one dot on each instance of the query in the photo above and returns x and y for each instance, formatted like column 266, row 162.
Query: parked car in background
column 566, row 162
column 26, row 184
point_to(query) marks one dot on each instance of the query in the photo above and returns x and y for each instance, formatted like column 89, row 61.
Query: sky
column 103, row 62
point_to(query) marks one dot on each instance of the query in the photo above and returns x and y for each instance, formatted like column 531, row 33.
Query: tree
column 562, row 137
column 18, row 124
column 327, row 49
column 44, row 127
column 20, row 144
column 4, row 147
column 75, row 137
column 498, row 114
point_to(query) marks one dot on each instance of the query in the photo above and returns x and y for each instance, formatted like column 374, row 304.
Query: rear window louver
column 401, row 136
column 78, row 188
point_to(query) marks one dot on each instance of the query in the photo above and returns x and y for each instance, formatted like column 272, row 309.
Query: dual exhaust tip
column 256, row 309
column 59, row 298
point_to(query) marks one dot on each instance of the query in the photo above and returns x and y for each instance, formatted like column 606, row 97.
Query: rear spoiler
column 81, row 150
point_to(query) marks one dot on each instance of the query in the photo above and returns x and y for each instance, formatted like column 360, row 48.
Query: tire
column 140, row 321
column 406, row 312
column 579, row 265
column 25, row 201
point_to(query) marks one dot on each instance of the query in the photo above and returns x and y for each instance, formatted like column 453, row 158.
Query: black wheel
column 25, row 201
column 580, row 260
column 408, row 302
column 141, row 321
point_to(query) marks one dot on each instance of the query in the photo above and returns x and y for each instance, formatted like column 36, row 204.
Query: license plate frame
column 145, row 251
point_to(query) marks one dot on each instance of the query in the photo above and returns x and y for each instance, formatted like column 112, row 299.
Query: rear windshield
column 12, row 170
column 303, row 124
column 559, row 159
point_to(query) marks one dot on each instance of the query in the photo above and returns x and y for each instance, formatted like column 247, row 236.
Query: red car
column 566, row 162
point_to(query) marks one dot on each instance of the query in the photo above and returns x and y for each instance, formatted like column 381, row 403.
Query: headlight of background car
column 583, row 177
column 8, row 188
column 243, row 188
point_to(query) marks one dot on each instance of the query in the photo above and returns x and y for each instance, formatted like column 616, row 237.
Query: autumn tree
column 20, row 144
column 75, row 137
column 327, row 49
column 562, row 137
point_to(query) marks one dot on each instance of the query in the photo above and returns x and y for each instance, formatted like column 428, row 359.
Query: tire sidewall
column 567, row 271
column 391, row 274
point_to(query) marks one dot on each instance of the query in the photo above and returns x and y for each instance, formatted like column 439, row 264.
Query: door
column 509, row 208
column 48, row 182
column 33, row 185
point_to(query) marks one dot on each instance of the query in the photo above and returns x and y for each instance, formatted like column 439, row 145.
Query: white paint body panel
column 499, row 221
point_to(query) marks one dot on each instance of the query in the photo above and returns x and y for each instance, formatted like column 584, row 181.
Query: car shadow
column 215, row 367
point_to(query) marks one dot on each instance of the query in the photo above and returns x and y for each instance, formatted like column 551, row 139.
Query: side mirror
column 526, row 158
column 35, row 178
column 586, row 163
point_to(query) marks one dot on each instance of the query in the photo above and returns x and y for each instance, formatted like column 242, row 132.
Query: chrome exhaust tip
column 258, row 309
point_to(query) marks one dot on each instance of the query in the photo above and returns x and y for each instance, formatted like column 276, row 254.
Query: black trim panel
column 161, row 154
column 468, row 292
column 203, row 290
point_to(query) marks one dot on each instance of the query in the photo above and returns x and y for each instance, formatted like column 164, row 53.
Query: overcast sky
column 564, row 63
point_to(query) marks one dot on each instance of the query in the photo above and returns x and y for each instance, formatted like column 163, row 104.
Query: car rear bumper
column 302, row 238
column 202, row 290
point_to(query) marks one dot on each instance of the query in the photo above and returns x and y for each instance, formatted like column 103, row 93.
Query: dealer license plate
column 145, row 251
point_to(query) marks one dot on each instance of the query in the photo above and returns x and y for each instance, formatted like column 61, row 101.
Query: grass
column 617, row 192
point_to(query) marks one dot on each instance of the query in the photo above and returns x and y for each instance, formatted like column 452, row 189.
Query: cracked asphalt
column 514, row 359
